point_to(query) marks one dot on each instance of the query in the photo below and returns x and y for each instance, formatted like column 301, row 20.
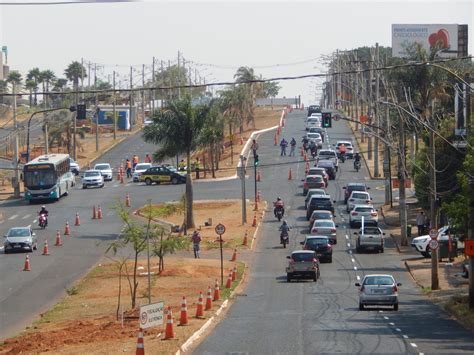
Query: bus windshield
column 43, row 178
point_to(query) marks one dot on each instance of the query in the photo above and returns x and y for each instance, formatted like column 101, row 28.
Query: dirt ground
column 85, row 320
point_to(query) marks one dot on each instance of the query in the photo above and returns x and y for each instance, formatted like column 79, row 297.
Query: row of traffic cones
column 58, row 243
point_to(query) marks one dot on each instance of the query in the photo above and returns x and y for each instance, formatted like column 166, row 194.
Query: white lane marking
column 414, row 345
column 34, row 221
column 355, row 268
column 405, row 336
column 385, row 317
column 391, row 323
column 350, row 252
column 349, row 245
column 380, row 311
column 26, row 216
column 347, row 237
column 358, row 277
column 13, row 217
column 398, row 329
column 353, row 260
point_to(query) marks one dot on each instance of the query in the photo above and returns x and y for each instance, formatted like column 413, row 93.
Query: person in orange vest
column 129, row 168
column 135, row 161
column 147, row 158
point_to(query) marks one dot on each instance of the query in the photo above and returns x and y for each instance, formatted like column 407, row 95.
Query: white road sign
column 220, row 229
column 434, row 244
column 151, row 315
column 433, row 233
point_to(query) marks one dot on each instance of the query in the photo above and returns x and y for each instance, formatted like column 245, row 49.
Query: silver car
column 92, row 178
column 303, row 264
column 325, row 227
column 105, row 170
column 358, row 198
column 378, row 290
column 20, row 239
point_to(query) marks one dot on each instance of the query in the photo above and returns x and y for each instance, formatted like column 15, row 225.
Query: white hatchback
column 358, row 198
column 368, row 212
column 105, row 170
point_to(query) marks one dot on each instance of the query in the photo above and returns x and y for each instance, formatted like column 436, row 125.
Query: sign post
column 220, row 229
column 151, row 314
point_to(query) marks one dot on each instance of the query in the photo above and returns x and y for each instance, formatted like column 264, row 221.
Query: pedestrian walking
column 147, row 158
column 135, row 160
column 292, row 147
column 196, row 239
column 197, row 167
column 182, row 165
column 129, row 168
column 420, row 223
column 283, row 145
column 254, row 147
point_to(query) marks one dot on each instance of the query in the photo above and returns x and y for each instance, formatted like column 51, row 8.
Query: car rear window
column 102, row 166
column 321, row 215
column 314, row 178
column 320, row 198
column 302, row 256
column 317, row 241
column 360, row 195
column 323, row 223
column 356, row 188
column 378, row 280
column 372, row 230
column 364, row 209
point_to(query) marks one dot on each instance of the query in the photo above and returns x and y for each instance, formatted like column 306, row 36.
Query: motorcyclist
column 278, row 204
column 356, row 159
column 44, row 212
column 305, row 142
column 313, row 149
column 284, row 228
column 342, row 152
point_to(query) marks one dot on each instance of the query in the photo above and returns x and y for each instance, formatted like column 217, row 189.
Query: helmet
column 284, row 221
column 43, row 206
column 278, row 198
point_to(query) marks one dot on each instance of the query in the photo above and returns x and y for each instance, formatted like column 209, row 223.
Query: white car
column 312, row 123
column 358, row 198
column 369, row 213
column 349, row 148
column 148, row 121
column 421, row 244
column 378, row 290
column 139, row 169
column 105, row 170
column 74, row 167
column 371, row 238
column 92, row 178
column 316, row 138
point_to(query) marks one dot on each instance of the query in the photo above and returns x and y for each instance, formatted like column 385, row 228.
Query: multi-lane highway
column 273, row 316
column 270, row 315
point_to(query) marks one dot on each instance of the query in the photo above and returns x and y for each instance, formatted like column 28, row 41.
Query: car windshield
column 314, row 135
column 302, row 256
column 324, row 223
column 356, row 188
column 19, row 232
column 317, row 241
column 91, row 173
column 364, row 209
column 102, row 166
column 378, row 280
column 360, row 195
column 142, row 166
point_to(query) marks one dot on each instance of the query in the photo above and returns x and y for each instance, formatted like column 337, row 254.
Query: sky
column 284, row 38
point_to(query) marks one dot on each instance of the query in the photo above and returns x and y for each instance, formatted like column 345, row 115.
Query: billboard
column 445, row 37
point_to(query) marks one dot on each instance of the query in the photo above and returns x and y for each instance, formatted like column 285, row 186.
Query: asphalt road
column 273, row 316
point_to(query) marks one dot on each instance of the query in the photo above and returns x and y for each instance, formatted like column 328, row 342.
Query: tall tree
column 212, row 133
column 246, row 92
column 73, row 72
column 34, row 74
column 46, row 78
column 177, row 130
column 31, row 86
column 3, row 89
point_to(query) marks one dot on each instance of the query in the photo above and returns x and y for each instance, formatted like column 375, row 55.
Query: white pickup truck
column 370, row 238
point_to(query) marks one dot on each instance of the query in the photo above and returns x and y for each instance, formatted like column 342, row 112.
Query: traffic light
column 256, row 161
column 81, row 112
column 327, row 120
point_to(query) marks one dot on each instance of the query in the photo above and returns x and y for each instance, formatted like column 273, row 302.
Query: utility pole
column 170, row 84
column 401, row 180
column 82, row 77
column 371, row 104
column 386, row 162
column 376, row 115
column 433, row 209
column 96, row 112
column 131, row 98
column 143, row 92
column 244, row 199
column 16, row 183
column 45, row 124
column 153, row 85
column 179, row 76
column 113, row 107
column 74, row 123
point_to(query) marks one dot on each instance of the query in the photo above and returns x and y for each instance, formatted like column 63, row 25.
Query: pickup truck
column 328, row 154
column 370, row 238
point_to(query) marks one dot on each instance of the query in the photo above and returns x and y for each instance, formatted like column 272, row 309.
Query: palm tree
column 59, row 85
column 212, row 133
column 74, row 72
column 46, row 78
column 31, row 86
column 248, row 94
column 177, row 130
column 3, row 89
column 34, row 74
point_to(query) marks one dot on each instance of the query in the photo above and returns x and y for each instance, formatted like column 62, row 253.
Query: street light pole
column 433, row 209
column 16, row 183
column 242, row 177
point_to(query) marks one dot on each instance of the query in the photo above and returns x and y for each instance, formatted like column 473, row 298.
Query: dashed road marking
column 414, row 345
column 392, row 324
column 349, row 245
column 398, row 329
column 350, row 252
column 13, row 217
column 26, row 216
column 386, row 318
column 358, row 277
column 347, row 237
column 355, row 268
column 405, row 336
column 34, row 221
column 353, row 260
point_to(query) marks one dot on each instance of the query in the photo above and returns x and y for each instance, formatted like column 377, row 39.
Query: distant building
column 4, row 69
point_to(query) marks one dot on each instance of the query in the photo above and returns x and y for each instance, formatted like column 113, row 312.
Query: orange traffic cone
column 199, row 307
column 127, row 200
column 307, row 167
column 58, row 239
column 27, row 264
column 228, row 284
column 254, row 222
column 217, row 292
column 234, row 256
column 183, row 320
column 305, row 157
column 302, row 151
column 45, row 248
column 99, row 212
column 208, row 299
column 77, row 222
column 279, row 130
column 241, row 140
column 169, row 333
column 67, row 229
column 94, row 213
column 290, row 175
column 246, row 241
column 234, row 273
column 140, row 344
column 259, row 176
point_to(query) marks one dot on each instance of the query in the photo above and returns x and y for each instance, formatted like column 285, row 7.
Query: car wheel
column 148, row 181
column 381, row 250
column 174, row 181
column 428, row 252
column 5, row 251
column 288, row 278
column 315, row 277
column 395, row 307
column 361, row 307
column 35, row 247
column 330, row 259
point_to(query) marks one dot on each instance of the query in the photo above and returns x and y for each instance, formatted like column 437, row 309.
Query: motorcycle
column 357, row 165
column 284, row 238
column 279, row 213
column 342, row 157
column 43, row 221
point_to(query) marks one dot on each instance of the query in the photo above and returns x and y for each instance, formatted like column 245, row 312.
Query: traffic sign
column 151, row 314
column 220, row 229
column 433, row 233
column 433, row 244
column 469, row 247
column 336, row 117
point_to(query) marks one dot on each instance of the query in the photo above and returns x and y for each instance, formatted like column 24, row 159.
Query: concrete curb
column 254, row 238
column 411, row 274
column 395, row 242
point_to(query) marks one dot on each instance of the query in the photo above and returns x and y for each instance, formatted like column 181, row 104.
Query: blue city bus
column 48, row 177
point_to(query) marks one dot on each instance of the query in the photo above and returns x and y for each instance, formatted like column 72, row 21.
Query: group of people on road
column 131, row 164
column 284, row 144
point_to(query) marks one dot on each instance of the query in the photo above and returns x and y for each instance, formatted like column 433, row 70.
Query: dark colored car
column 319, row 203
column 314, row 109
column 313, row 182
column 329, row 167
column 321, row 245
column 159, row 174
column 302, row 264
column 354, row 186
